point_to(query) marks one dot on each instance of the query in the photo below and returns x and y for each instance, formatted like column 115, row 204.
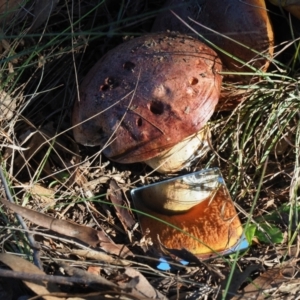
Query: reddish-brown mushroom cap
column 146, row 95
column 244, row 21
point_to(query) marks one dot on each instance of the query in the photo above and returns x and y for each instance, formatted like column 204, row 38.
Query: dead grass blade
column 96, row 255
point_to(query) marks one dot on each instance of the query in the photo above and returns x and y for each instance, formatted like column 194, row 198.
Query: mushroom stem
column 182, row 154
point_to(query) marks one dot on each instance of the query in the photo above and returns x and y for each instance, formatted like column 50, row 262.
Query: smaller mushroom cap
column 246, row 22
column 146, row 95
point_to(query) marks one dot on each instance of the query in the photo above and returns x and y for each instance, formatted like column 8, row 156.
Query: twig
column 57, row 279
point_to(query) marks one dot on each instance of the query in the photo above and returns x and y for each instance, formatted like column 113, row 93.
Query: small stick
column 57, row 279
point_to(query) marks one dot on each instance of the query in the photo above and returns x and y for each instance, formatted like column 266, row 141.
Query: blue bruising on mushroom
column 165, row 266
column 242, row 245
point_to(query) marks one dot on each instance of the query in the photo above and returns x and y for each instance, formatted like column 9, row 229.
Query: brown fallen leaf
column 88, row 235
column 139, row 285
column 19, row 264
column 122, row 210
column 95, row 270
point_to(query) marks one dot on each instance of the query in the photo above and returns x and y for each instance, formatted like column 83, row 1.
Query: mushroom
column 147, row 95
column 246, row 22
column 207, row 225
column 292, row 6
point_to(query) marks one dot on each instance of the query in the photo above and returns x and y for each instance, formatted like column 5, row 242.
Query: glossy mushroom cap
column 244, row 21
column 146, row 95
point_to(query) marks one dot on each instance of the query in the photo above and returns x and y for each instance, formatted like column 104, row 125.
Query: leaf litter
column 88, row 195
